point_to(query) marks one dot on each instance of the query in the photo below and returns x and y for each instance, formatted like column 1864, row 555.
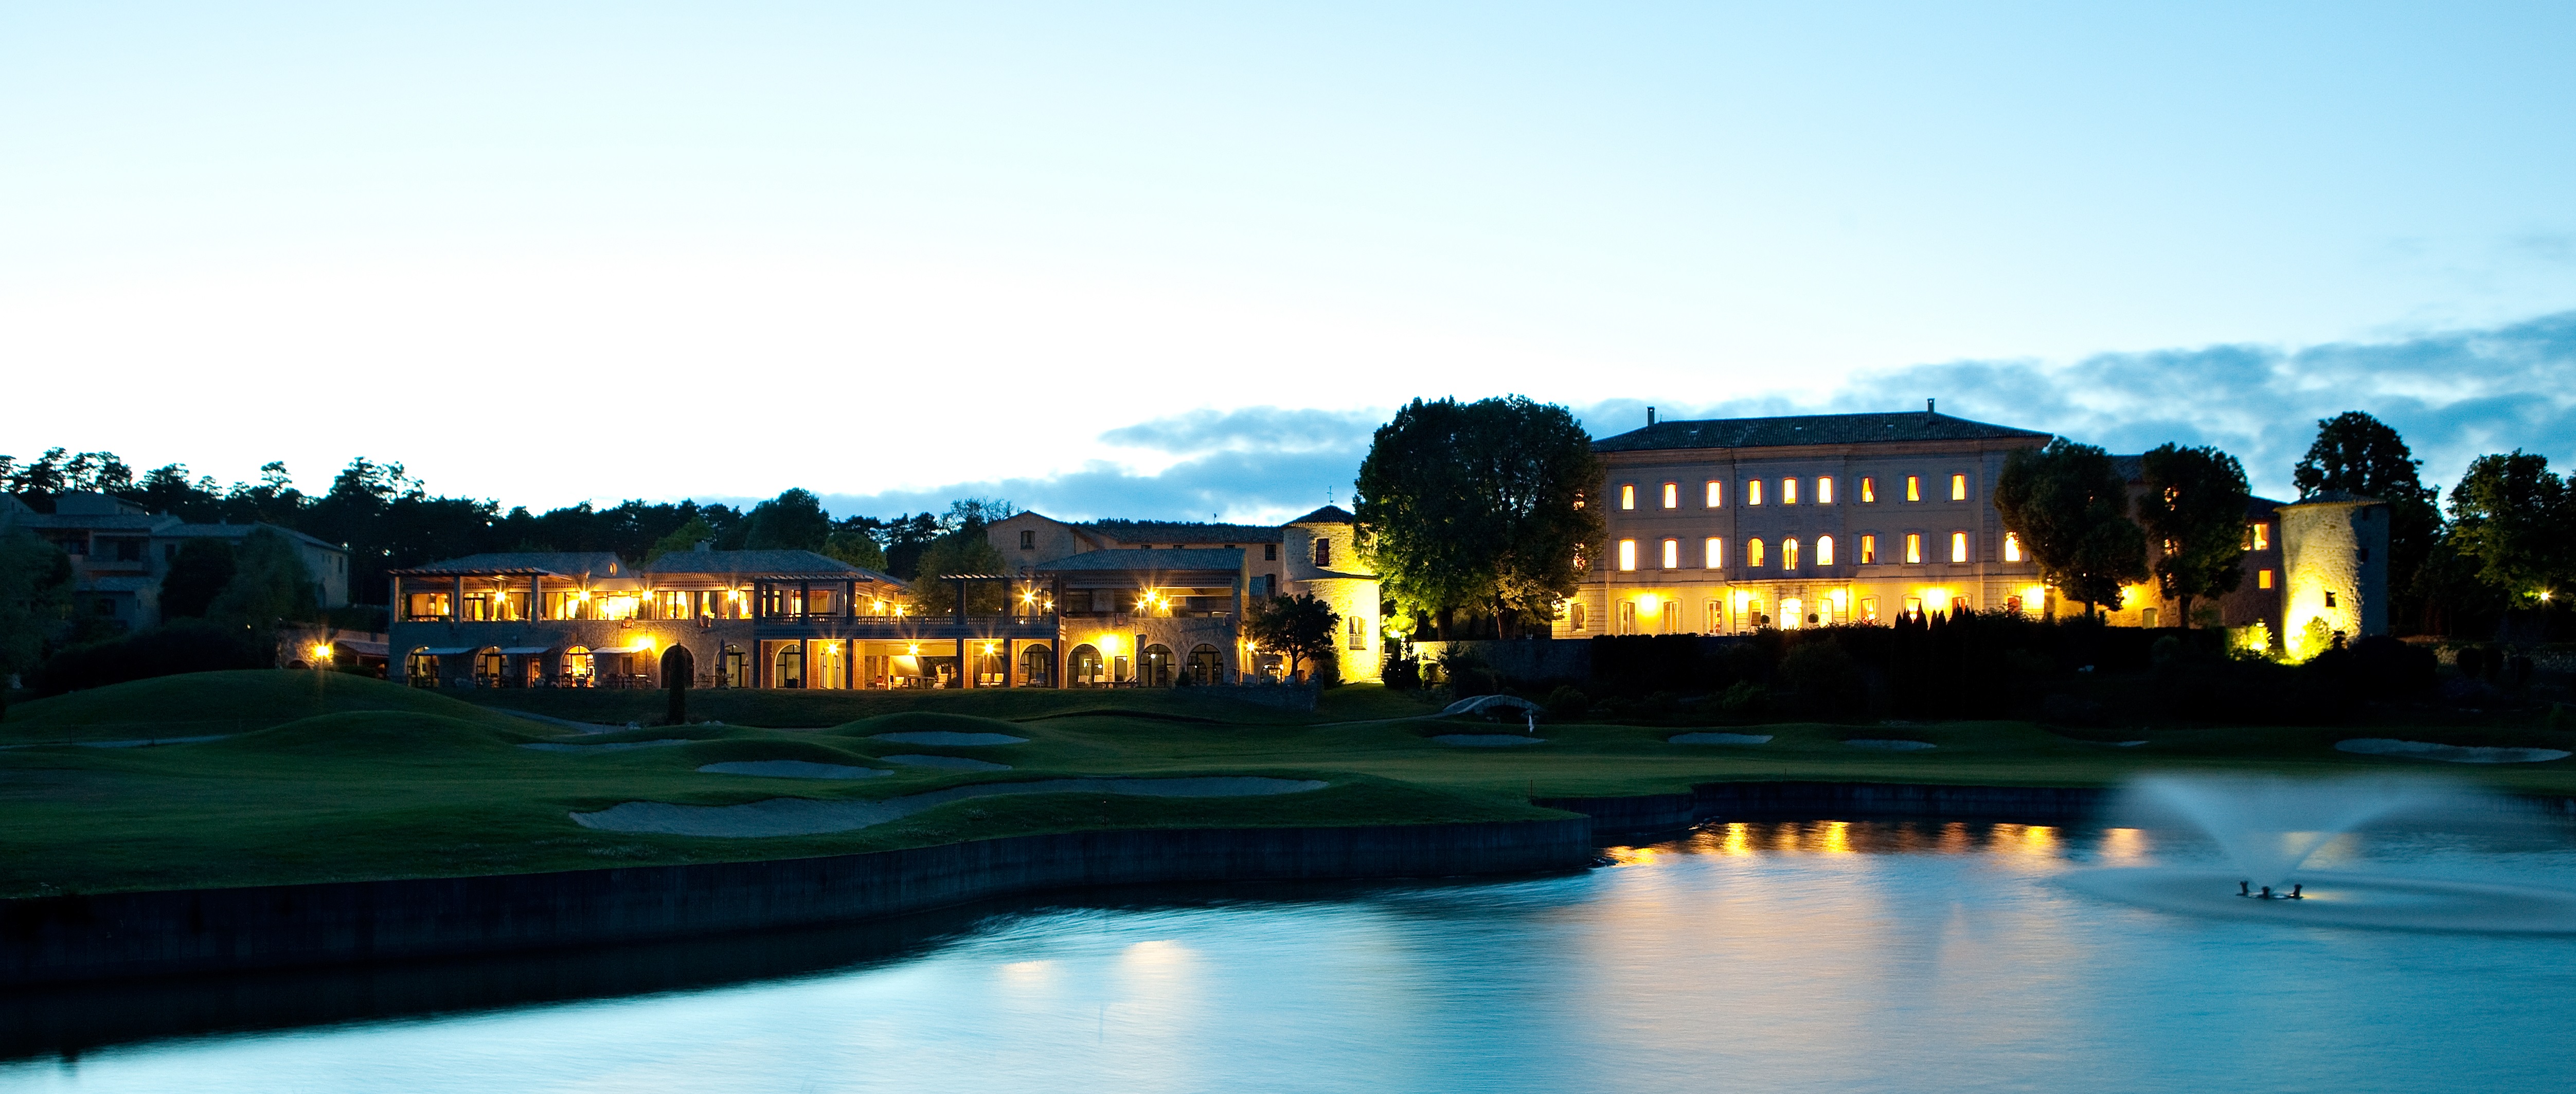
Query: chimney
column 1650, row 416
column 1927, row 405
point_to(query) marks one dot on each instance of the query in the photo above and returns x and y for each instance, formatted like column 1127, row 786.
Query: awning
column 446, row 651
column 521, row 651
column 363, row 648
column 616, row 649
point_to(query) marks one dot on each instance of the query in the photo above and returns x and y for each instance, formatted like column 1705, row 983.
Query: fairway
column 324, row 777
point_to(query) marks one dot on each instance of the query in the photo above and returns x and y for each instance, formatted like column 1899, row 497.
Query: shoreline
column 86, row 938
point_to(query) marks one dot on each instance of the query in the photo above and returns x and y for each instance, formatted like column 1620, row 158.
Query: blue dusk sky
column 1179, row 260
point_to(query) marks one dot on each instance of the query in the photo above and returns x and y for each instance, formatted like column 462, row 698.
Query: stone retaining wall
column 76, row 938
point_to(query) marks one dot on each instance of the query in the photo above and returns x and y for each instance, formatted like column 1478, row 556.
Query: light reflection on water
column 1814, row 956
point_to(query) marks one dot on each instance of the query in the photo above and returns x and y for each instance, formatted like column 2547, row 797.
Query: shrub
column 185, row 645
column 1401, row 672
column 1568, row 702
column 1743, row 697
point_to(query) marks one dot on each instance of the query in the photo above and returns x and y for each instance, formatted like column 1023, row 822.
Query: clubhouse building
column 1098, row 604
column 1732, row 525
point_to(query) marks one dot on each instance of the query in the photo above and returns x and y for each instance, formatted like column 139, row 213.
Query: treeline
column 390, row 520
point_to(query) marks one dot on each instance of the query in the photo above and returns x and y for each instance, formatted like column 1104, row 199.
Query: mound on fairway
column 928, row 721
column 808, row 816
column 372, row 735
column 238, row 701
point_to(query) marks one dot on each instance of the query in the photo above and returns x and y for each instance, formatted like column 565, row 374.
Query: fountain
column 2270, row 829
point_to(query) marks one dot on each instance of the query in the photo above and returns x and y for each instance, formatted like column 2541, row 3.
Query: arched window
column 1753, row 553
column 420, row 670
column 487, row 667
column 1082, row 669
column 1037, row 666
column 576, row 666
column 1824, row 550
column 789, row 672
column 1157, row 670
column 1788, row 554
column 1207, row 666
column 734, row 670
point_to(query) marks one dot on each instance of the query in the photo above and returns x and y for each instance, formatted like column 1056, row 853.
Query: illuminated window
column 2262, row 579
column 1914, row 547
column 2258, row 537
column 1868, row 550
column 2330, row 598
column 1627, row 554
column 1914, row 606
column 1752, row 491
column 1672, row 554
column 1958, row 546
column 1824, row 491
column 1753, row 553
column 1627, row 495
column 1716, row 610
column 1574, row 615
column 1788, row 554
column 1788, row 491
column 1868, row 491
column 1672, row 495
column 1869, row 609
column 1958, row 488
column 1716, row 494
column 1714, row 551
column 1824, row 550
column 2012, row 547
column 1913, row 487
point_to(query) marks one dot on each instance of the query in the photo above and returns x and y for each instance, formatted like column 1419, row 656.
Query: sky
column 1177, row 261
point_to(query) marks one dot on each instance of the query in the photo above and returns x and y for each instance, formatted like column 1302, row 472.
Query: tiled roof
column 1808, row 429
column 1182, row 531
column 564, row 563
column 2339, row 496
column 1161, row 559
column 238, row 531
column 1330, row 514
column 760, row 562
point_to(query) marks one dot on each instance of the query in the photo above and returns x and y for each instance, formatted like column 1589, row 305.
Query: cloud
column 2453, row 394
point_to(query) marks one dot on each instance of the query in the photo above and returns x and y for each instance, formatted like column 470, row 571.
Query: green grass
column 338, row 778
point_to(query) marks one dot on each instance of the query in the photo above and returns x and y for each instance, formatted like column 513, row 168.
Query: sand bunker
column 1487, row 740
column 2455, row 754
column 1891, row 744
column 1719, row 739
column 946, row 739
column 808, row 817
column 613, row 746
column 1489, row 705
column 945, row 763
column 792, row 769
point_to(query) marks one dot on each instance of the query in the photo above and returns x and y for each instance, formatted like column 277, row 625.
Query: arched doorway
column 1082, row 669
column 488, row 663
column 576, row 667
column 789, row 672
column 1156, row 672
column 1037, row 666
column 733, row 669
column 420, row 670
column 679, row 667
column 1206, row 665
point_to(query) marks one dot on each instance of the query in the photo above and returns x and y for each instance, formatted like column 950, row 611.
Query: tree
column 1300, row 629
column 2359, row 454
column 270, row 585
column 198, row 574
column 1479, row 505
column 2512, row 517
column 35, row 593
column 792, row 521
column 856, row 548
column 683, row 538
column 965, row 549
column 2070, row 509
column 2195, row 508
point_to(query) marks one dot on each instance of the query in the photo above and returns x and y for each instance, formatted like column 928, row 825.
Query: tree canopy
column 2195, row 508
column 197, row 574
column 1479, row 506
column 2069, row 507
column 35, row 592
column 2511, row 518
column 1300, row 628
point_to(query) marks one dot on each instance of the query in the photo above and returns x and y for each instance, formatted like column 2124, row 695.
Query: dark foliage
column 196, row 575
column 187, row 645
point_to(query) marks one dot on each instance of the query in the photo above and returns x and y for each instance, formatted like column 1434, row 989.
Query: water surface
column 1777, row 957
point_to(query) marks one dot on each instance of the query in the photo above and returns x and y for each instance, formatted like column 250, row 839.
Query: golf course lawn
column 328, row 777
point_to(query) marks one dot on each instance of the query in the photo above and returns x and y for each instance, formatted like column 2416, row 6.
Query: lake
column 1821, row 956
